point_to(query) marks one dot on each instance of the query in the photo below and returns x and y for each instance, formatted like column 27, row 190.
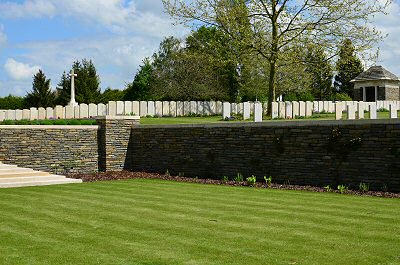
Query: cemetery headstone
column 151, row 111
column 226, row 110
column 258, row 112
column 246, row 110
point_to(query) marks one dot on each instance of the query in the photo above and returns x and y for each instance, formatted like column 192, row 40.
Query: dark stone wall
column 57, row 149
column 304, row 152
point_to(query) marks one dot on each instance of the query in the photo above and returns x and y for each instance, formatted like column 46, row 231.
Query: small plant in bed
column 251, row 180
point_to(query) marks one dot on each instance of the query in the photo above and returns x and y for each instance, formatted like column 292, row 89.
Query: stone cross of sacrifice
column 72, row 101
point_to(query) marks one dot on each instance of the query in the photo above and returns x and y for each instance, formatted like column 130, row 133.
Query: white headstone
column 151, row 108
column 18, row 115
column 76, row 112
column 331, row 107
column 295, row 109
column 325, row 106
column 315, row 107
column 265, row 108
column 218, row 108
column 172, row 108
column 339, row 107
column 59, row 112
column 166, row 108
column 120, row 107
column 42, row 113
column 289, row 110
column 379, row 104
column 372, row 111
column 213, row 108
column 240, row 108
column 351, row 112
column 193, row 107
column 34, row 114
column 10, row 115
column 302, row 109
column 49, row 113
column 234, row 108
column 246, row 110
column 226, row 110
column 206, row 108
column 320, row 106
column 186, row 108
column 143, row 109
column 92, row 110
column 386, row 105
column 361, row 109
column 69, row 112
column 275, row 110
column 309, row 108
column 282, row 110
column 180, row 108
column 127, row 108
column 258, row 112
column 135, row 108
column 252, row 107
column 112, row 108
column 83, row 111
column 101, row 110
column 393, row 111
column 2, row 115
column 26, row 114
column 158, row 109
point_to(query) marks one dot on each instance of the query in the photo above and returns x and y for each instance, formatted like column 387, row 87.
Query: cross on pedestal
column 72, row 102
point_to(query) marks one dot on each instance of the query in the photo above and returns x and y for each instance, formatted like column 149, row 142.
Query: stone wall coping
column 286, row 123
column 118, row 117
column 50, row 127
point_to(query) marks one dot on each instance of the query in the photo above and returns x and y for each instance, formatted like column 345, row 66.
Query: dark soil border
column 122, row 175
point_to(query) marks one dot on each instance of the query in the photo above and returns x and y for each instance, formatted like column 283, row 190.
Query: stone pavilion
column 376, row 83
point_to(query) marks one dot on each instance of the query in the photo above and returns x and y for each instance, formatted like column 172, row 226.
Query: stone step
column 17, row 174
column 32, row 178
column 12, row 176
column 17, row 170
column 39, row 183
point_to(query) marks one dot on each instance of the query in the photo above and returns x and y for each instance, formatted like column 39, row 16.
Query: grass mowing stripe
column 173, row 227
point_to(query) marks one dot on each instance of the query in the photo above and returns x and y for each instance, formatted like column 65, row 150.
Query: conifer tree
column 348, row 67
column 41, row 95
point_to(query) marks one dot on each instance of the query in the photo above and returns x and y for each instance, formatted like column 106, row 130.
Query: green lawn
column 215, row 119
column 163, row 222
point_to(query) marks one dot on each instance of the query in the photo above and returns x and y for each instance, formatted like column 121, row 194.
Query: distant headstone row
column 280, row 110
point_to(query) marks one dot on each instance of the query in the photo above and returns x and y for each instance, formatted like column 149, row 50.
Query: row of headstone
column 281, row 110
column 357, row 111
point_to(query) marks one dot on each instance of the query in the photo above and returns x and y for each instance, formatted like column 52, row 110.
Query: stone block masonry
column 57, row 149
column 304, row 152
column 114, row 138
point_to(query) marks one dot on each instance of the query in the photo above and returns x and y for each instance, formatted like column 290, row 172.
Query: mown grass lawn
column 163, row 222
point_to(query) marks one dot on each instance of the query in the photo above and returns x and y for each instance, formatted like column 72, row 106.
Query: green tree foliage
column 321, row 73
column 41, row 94
column 13, row 102
column 348, row 67
column 278, row 25
column 112, row 95
column 87, row 84
column 139, row 89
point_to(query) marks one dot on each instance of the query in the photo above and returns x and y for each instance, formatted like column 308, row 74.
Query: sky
column 115, row 34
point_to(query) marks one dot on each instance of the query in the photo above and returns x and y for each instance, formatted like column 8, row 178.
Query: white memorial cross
column 72, row 101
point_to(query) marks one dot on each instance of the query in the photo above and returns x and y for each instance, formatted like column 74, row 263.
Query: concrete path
column 13, row 176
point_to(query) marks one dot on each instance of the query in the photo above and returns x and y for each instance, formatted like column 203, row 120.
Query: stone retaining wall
column 57, row 149
column 305, row 152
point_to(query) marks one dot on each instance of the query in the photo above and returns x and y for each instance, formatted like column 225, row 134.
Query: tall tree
column 321, row 73
column 139, row 89
column 41, row 94
column 279, row 24
column 348, row 67
column 63, row 92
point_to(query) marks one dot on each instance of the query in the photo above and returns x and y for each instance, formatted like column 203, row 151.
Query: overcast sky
column 116, row 34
